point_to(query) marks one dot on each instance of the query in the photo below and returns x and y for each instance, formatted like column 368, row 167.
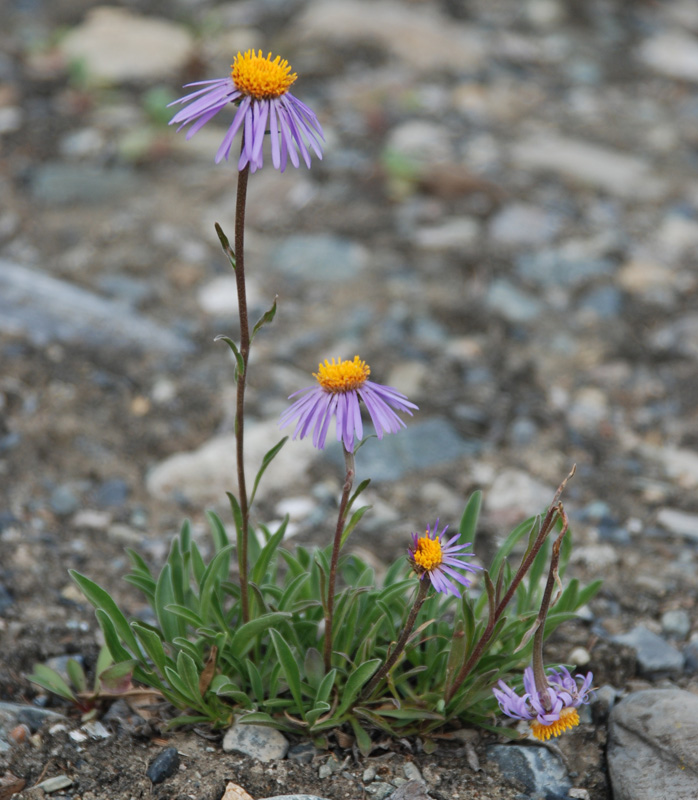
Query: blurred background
column 504, row 225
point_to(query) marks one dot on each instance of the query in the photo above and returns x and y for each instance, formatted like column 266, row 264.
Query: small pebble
column 164, row 765
column 55, row 784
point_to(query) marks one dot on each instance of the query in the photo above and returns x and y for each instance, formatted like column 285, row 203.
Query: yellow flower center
column 342, row 376
column 569, row 718
column 261, row 77
column 427, row 554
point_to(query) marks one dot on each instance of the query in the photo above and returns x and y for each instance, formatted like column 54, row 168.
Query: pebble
column 676, row 623
column 379, row 790
column 521, row 225
column 302, row 753
column 673, row 53
column 163, row 766
column 513, row 304
column 451, row 234
column 44, row 310
column 653, row 745
column 117, row 45
column 655, row 656
column 235, row 792
column 66, row 184
column 517, row 494
column 540, row 771
column 113, row 493
column 678, row 522
column 319, row 257
column 293, row 797
column 51, row 785
column 264, row 744
column 63, row 501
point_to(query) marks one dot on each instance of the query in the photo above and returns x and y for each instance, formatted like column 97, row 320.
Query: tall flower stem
column 539, row 636
column 547, row 525
column 243, row 175
column 336, row 547
column 402, row 641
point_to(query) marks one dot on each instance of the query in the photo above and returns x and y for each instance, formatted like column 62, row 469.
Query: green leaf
column 244, row 636
column 112, row 638
column 186, row 669
column 76, row 675
column 100, row 599
column 186, row 614
column 256, row 681
column 262, row 563
column 239, row 361
column 360, row 676
column 267, row 317
column 363, row 739
column 225, row 244
column 215, row 572
column 353, row 522
column 313, row 666
column 325, row 689
column 117, row 676
column 261, row 718
column 290, row 667
column 588, row 592
column 269, row 456
column 51, row 681
column 152, row 644
column 468, row 523
column 171, row 625
column 359, row 489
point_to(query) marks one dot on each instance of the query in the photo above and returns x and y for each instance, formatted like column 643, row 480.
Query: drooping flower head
column 259, row 88
column 341, row 385
column 565, row 696
column 434, row 560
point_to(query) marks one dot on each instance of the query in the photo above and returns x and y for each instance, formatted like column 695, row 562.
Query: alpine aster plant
column 258, row 87
column 341, row 387
column 435, row 560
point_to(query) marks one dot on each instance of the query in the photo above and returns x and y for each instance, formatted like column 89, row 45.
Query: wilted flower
column 564, row 697
column 259, row 88
column 341, row 386
column 431, row 558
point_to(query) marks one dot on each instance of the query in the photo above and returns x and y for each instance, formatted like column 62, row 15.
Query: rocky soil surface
column 505, row 226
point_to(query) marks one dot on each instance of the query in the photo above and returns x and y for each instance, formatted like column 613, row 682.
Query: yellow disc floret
column 569, row 718
column 261, row 77
column 342, row 376
column 427, row 553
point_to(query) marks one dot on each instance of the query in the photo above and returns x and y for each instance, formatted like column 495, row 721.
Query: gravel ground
column 504, row 226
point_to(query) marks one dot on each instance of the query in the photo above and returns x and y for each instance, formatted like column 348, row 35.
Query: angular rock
column 541, row 772
column 653, row 746
column 654, row 655
column 610, row 171
column 256, row 741
column 115, row 45
column 46, row 310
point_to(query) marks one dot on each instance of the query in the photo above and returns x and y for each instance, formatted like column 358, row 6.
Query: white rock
column 219, row 297
column 204, row 475
column 517, row 492
column 611, row 171
column 672, row 53
column 677, row 236
column 452, row 234
column 256, row 741
column 421, row 37
column 421, row 141
column 679, row 463
column 679, row 522
column 117, row 45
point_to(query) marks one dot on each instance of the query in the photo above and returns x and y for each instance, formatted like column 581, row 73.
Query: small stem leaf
column 353, row 522
column 468, row 523
column 268, row 458
column 360, row 488
column 267, row 317
column 225, row 244
column 239, row 361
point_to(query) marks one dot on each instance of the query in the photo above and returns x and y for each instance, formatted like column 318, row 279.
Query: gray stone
column 163, row 766
column 433, row 443
column 680, row 336
column 654, row 655
column 319, row 257
column 113, row 493
column 46, row 310
column 63, row 501
column 451, row 234
column 379, row 789
column 511, row 303
column 521, row 224
column 256, row 741
column 294, row 797
column 611, row 171
column 414, row 789
column 605, row 302
column 70, row 184
column 115, row 45
column 536, row 768
column 653, row 746
column 679, row 522
column 51, row 785
column 676, row 623
column 560, row 268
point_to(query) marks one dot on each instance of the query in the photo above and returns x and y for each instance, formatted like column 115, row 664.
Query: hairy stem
column 402, row 641
column 241, row 381
column 336, row 547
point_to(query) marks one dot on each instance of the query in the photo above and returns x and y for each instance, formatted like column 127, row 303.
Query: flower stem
column 243, row 175
column 402, row 641
column 545, row 528
column 336, row 547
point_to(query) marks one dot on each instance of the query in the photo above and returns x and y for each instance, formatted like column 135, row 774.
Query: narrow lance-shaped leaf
column 353, row 522
column 225, row 244
column 266, row 461
column 468, row 523
column 239, row 361
column 268, row 316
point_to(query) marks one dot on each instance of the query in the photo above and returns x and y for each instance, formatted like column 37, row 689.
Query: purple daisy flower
column 341, row 386
column 258, row 87
column 565, row 695
column 431, row 557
